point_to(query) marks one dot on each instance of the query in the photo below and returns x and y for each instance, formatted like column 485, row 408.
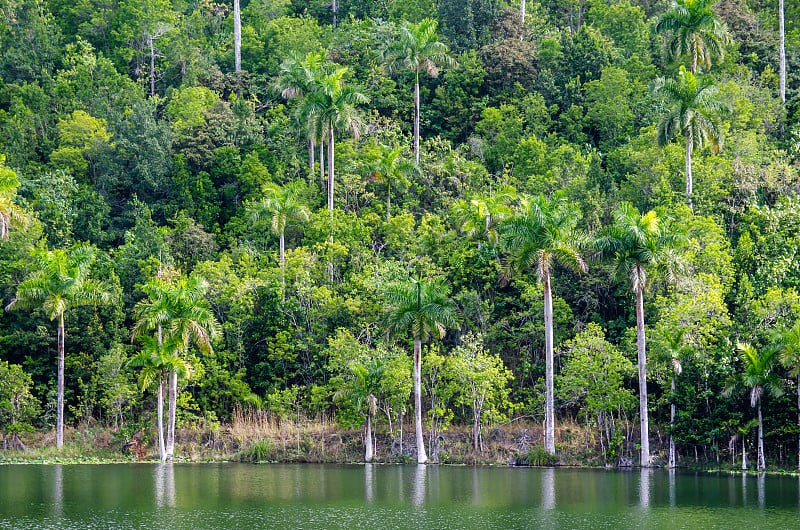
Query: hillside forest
column 419, row 214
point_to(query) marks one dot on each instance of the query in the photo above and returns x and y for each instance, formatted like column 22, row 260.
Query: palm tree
column 237, row 36
column 296, row 78
column 424, row 308
column 788, row 342
column 394, row 171
column 59, row 283
column 416, row 50
column 330, row 107
column 637, row 244
column 362, row 391
column 694, row 113
column 281, row 205
column 540, row 235
column 759, row 376
column 782, row 51
column 176, row 306
column 156, row 360
column 11, row 215
column 480, row 216
column 695, row 30
column 674, row 350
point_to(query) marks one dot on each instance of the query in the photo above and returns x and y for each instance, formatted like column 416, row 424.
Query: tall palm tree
column 480, row 216
column 59, row 283
column 424, row 308
column 156, row 359
column 392, row 170
column 788, row 342
column 417, row 50
column 296, row 78
column 636, row 245
column 280, row 206
column 759, row 376
column 362, row 391
column 330, row 108
column 674, row 351
column 237, row 36
column 782, row 51
column 695, row 111
column 694, row 30
column 540, row 235
column 177, row 308
column 11, row 215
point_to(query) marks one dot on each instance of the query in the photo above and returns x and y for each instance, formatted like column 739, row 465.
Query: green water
column 327, row 496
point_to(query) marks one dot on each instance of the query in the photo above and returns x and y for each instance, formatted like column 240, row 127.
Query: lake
column 386, row 496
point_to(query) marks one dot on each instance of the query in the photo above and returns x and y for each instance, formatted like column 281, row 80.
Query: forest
column 580, row 216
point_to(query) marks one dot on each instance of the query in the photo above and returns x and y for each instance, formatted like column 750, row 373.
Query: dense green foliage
column 124, row 128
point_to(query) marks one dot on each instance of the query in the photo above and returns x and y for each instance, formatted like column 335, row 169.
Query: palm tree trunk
column 283, row 263
column 152, row 66
column 388, row 203
column 60, row 402
column 549, row 412
column 522, row 13
column 672, row 427
column 311, row 157
column 744, row 453
column 422, row 457
column 689, row 171
column 782, row 50
column 162, row 452
column 330, row 168
column 322, row 162
column 173, row 402
column 640, row 347
column 416, row 121
column 237, row 35
column 761, row 461
column 368, row 455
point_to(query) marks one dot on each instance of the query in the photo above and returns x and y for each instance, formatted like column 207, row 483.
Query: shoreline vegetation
column 270, row 441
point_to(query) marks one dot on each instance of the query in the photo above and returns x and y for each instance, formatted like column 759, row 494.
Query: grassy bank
column 260, row 438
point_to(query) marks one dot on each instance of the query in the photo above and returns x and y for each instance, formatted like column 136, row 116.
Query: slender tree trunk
column 422, row 457
column 368, row 455
column 322, row 162
column 416, row 120
column 335, row 9
column 689, row 172
column 237, row 35
column 549, row 408
column 640, row 346
column 476, row 430
column 173, row 402
column 60, row 402
column 761, row 461
column 330, row 169
column 782, row 50
column 283, row 263
column 162, row 452
column 388, row 203
column 152, row 66
column 672, row 427
column 522, row 13
column 311, row 156
column 744, row 453
column 693, row 65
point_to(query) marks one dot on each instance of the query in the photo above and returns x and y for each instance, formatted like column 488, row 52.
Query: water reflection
column 760, row 486
column 58, row 490
column 418, row 494
column 644, row 487
column 369, row 484
column 548, row 489
column 744, row 489
column 164, row 475
column 671, row 483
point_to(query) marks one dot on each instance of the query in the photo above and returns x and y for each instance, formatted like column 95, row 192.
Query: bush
column 259, row 450
column 538, row 456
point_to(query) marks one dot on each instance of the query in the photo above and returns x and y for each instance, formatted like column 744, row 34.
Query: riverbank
column 266, row 440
